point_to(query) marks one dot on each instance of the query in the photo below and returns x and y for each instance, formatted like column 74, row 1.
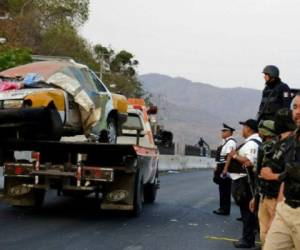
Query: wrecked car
column 50, row 99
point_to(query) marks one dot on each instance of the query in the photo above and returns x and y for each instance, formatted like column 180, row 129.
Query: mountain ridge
column 193, row 109
column 142, row 76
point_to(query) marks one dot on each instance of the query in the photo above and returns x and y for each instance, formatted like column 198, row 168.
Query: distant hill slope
column 192, row 109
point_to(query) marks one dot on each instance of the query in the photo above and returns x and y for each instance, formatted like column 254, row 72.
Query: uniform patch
column 253, row 151
column 285, row 94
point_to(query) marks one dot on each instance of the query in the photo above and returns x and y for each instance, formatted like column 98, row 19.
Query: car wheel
column 111, row 131
column 55, row 125
column 50, row 128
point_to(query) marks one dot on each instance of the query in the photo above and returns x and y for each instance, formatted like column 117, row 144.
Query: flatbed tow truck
column 122, row 175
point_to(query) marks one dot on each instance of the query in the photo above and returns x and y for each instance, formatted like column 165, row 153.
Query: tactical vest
column 271, row 101
column 292, row 171
column 274, row 155
column 237, row 167
column 222, row 158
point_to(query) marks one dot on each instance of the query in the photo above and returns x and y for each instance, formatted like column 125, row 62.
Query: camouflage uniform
column 268, row 190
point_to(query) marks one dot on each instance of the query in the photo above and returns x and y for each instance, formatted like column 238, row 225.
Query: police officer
column 276, row 94
column 228, row 144
column 284, row 232
column 246, row 157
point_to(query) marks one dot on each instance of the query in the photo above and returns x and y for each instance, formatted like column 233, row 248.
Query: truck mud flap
column 119, row 195
column 16, row 193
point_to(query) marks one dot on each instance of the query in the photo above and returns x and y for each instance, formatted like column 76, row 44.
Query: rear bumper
column 60, row 180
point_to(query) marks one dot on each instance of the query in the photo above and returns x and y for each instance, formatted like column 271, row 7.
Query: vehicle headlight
column 10, row 104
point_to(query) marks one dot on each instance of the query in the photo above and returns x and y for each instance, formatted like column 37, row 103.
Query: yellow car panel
column 120, row 103
column 42, row 99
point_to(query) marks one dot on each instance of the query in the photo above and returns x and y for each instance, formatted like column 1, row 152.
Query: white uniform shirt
column 229, row 144
column 250, row 149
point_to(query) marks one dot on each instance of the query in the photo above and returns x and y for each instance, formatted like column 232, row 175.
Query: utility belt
column 221, row 164
column 268, row 189
column 293, row 203
column 217, row 174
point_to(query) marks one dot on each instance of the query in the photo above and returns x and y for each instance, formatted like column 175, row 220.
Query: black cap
column 251, row 123
column 228, row 128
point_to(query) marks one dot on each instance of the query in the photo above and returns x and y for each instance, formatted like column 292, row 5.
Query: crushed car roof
column 44, row 68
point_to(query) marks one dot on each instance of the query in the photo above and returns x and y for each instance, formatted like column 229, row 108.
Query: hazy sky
column 221, row 42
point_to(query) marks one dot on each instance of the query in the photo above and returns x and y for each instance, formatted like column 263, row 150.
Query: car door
column 98, row 94
column 102, row 93
column 99, row 99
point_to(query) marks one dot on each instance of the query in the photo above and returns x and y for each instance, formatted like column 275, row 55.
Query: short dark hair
column 292, row 102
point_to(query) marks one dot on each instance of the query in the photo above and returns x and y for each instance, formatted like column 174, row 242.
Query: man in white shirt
column 228, row 144
column 240, row 167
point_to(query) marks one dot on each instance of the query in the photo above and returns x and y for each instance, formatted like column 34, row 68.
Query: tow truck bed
column 119, row 172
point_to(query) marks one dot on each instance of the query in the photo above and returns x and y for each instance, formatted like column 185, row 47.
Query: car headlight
column 10, row 104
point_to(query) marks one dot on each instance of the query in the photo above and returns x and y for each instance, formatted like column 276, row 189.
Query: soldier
column 276, row 94
column 238, row 163
column 284, row 232
column 272, row 157
column 228, row 144
column 262, row 203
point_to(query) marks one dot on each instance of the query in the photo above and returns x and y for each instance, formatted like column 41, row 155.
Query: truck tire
column 150, row 190
column 138, row 196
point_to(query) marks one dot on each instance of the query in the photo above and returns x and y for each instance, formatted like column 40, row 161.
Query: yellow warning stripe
column 225, row 239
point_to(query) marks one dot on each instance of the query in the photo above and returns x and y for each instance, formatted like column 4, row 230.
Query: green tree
column 103, row 53
column 51, row 28
column 10, row 57
column 51, row 11
column 75, row 12
column 63, row 40
column 125, row 63
column 123, row 85
column 122, row 73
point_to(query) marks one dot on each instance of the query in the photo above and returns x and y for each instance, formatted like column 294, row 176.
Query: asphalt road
column 180, row 219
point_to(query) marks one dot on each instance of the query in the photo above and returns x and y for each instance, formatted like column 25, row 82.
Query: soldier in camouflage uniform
column 284, row 232
column 272, row 156
column 265, row 199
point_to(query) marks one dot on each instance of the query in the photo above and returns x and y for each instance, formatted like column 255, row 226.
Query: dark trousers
column 225, row 194
column 249, row 223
